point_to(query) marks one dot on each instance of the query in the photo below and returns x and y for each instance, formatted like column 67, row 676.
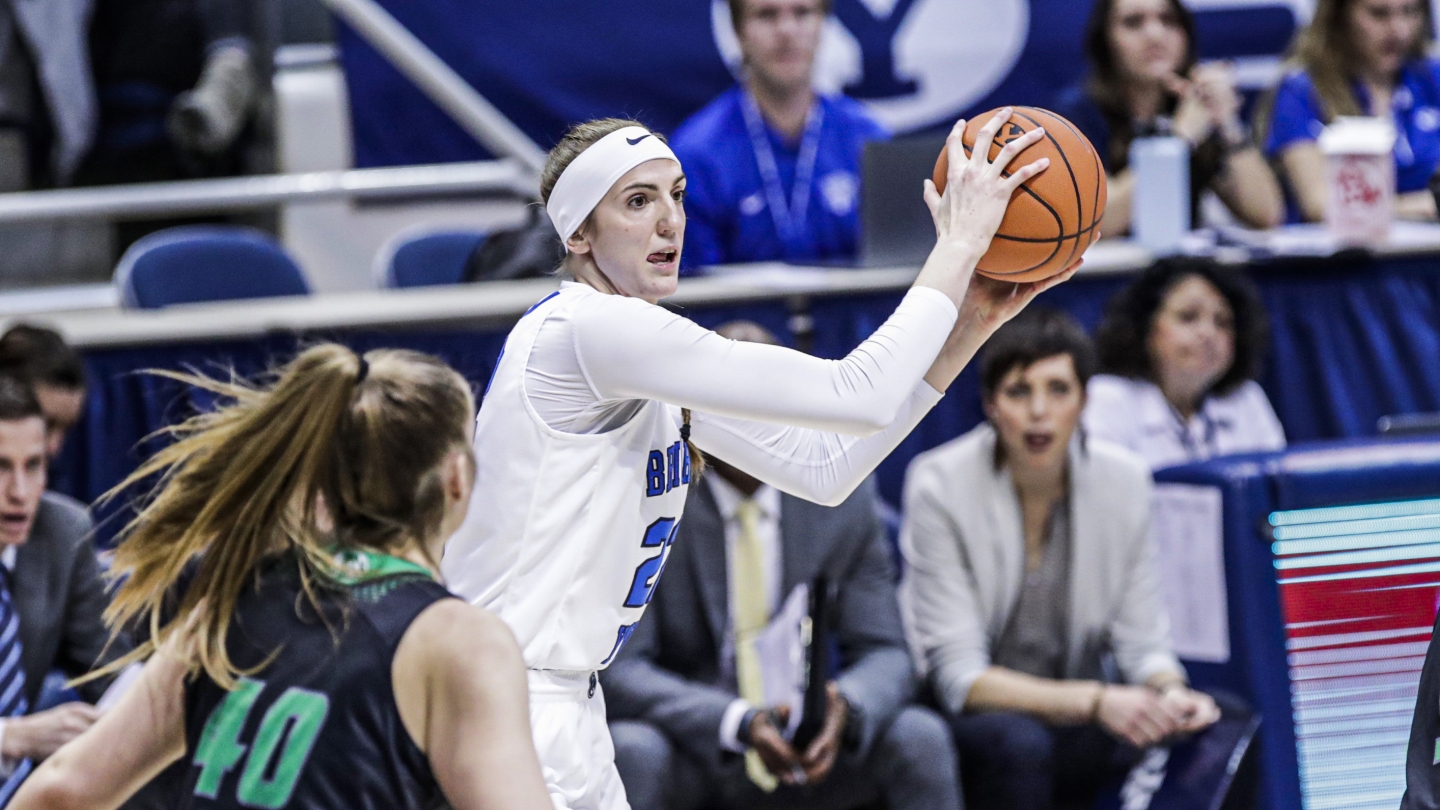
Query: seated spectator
column 50, row 584
column 1180, row 348
column 47, row 98
column 773, row 168
column 1360, row 57
column 176, row 82
column 689, row 725
column 1144, row 81
column 1030, row 591
column 42, row 359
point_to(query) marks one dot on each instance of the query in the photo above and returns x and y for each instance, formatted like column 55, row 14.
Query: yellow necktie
column 752, row 613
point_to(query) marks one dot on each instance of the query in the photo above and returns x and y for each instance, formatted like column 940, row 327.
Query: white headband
column 588, row 178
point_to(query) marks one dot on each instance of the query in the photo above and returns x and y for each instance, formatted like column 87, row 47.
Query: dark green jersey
column 315, row 728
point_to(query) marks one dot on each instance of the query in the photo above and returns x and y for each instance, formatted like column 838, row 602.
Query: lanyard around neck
column 354, row 566
column 1210, row 441
column 789, row 217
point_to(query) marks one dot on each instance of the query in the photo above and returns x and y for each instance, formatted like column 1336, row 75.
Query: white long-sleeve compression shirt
column 812, row 427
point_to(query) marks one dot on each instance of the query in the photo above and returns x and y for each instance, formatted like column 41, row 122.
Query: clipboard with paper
column 794, row 660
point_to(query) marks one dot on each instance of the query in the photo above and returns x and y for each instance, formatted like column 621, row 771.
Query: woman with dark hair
column 1144, row 81
column 1180, row 349
column 1031, row 593
column 1360, row 57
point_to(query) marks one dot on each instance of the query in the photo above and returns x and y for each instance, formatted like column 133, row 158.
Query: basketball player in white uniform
column 584, row 435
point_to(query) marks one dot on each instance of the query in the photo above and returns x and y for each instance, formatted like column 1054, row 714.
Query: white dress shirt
column 727, row 500
column 1135, row 415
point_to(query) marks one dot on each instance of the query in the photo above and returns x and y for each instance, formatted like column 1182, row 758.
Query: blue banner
column 917, row 64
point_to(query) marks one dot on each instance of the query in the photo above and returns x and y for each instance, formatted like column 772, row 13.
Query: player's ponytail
column 697, row 458
column 338, row 451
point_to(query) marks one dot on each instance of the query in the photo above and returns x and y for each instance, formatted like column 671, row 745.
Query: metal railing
column 143, row 200
column 439, row 81
column 516, row 173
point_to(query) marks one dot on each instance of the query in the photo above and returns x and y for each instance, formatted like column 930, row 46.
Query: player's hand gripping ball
column 1055, row 215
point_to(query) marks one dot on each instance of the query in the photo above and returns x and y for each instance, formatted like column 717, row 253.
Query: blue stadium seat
column 191, row 264
column 429, row 259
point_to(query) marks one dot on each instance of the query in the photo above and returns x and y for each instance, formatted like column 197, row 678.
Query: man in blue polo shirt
column 773, row 167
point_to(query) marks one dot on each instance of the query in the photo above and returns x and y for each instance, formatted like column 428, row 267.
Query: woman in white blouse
column 1180, row 348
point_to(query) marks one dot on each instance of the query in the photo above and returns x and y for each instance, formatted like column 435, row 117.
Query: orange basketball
column 1053, row 217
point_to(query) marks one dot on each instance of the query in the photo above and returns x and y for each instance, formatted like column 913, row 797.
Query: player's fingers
column 932, row 198
column 1029, row 170
column 1061, row 277
column 1015, row 147
column 955, row 153
column 980, row 152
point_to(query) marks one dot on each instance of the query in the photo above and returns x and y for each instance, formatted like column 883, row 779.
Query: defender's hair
column 325, row 456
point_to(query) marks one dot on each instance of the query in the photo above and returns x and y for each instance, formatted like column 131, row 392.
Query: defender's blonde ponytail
column 338, row 451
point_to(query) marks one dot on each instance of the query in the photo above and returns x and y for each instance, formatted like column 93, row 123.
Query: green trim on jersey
column 355, row 566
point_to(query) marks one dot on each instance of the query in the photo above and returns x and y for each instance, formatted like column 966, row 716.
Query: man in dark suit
column 50, row 579
column 683, row 734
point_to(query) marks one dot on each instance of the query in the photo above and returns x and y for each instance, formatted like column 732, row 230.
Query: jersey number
column 278, row 754
column 660, row 534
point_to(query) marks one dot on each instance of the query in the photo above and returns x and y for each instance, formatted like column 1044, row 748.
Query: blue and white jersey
column 582, row 474
column 567, row 533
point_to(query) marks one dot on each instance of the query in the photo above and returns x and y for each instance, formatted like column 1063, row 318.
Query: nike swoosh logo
column 633, row 141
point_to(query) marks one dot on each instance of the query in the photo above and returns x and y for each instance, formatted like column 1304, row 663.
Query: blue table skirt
column 1352, row 340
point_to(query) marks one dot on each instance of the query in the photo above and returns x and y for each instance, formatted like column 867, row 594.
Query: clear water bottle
column 1160, row 204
